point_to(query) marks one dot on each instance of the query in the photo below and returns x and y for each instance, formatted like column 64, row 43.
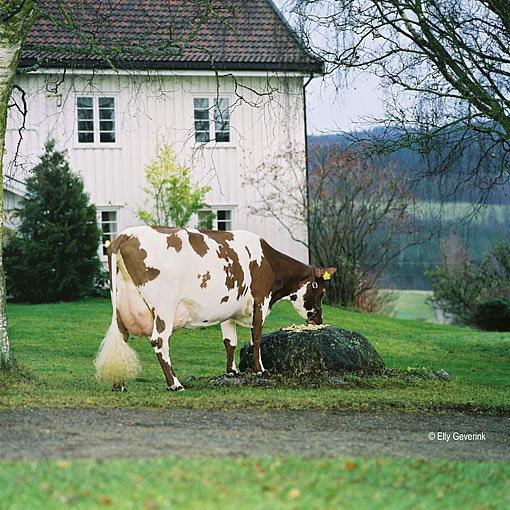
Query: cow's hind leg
column 228, row 329
column 256, row 338
column 160, row 341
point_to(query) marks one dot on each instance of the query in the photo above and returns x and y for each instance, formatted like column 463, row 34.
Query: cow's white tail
column 116, row 362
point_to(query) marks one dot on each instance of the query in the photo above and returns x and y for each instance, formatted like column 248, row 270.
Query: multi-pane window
column 206, row 219
column 85, row 119
column 202, row 126
column 212, row 119
column 96, row 120
column 109, row 226
column 106, row 109
column 222, row 120
column 222, row 218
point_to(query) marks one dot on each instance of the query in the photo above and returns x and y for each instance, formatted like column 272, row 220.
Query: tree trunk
column 16, row 18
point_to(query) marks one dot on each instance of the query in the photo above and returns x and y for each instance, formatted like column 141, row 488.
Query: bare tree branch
column 445, row 66
column 359, row 214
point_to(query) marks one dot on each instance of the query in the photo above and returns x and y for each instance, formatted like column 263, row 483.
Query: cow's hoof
column 175, row 388
column 119, row 387
column 261, row 373
column 232, row 374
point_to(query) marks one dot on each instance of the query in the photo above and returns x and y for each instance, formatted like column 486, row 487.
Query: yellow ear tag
column 326, row 276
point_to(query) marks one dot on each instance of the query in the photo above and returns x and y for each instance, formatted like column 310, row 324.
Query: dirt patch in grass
column 141, row 433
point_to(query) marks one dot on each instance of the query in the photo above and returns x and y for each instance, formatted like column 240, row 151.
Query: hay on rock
column 301, row 349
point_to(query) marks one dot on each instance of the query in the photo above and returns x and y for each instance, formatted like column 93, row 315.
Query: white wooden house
column 228, row 99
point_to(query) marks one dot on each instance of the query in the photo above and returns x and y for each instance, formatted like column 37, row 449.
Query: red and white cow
column 163, row 279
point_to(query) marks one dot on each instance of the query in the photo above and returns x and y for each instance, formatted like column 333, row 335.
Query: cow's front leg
column 256, row 338
column 160, row 340
column 228, row 329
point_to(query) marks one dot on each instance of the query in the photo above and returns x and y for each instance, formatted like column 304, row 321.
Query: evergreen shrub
column 54, row 256
column 493, row 314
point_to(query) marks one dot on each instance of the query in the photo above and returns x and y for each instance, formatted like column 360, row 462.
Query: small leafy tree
column 359, row 215
column 54, row 257
column 173, row 197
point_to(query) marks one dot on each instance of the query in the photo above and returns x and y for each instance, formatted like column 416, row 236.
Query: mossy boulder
column 334, row 350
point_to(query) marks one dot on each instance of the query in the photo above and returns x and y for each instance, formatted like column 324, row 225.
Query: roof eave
column 301, row 67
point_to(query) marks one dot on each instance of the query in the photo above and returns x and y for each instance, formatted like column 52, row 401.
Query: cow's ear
column 325, row 273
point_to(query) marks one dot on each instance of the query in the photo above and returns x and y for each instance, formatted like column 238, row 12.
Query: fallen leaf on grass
column 259, row 470
column 295, row 493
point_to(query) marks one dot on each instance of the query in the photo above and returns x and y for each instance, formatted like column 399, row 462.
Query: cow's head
column 307, row 300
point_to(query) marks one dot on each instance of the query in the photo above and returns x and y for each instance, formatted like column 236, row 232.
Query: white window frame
column 228, row 221
column 216, row 210
column 95, row 108
column 111, row 233
column 213, row 100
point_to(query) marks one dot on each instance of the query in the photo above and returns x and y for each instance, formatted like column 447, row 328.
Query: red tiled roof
column 166, row 34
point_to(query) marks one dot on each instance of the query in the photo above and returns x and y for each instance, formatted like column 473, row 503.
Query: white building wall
column 266, row 118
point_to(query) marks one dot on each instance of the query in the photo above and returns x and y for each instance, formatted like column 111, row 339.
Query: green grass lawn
column 412, row 305
column 57, row 344
column 255, row 483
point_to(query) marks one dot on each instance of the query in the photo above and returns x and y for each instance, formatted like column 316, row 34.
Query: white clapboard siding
column 267, row 117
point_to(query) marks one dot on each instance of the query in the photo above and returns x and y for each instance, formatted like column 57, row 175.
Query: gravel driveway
column 121, row 433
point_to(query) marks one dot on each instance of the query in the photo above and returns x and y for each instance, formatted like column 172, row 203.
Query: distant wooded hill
column 457, row 163
column 443, row 214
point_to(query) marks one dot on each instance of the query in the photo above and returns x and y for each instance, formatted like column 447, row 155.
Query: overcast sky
column 331, row 110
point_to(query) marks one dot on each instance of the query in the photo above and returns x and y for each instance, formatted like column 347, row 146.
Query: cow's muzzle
column 315, row 316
